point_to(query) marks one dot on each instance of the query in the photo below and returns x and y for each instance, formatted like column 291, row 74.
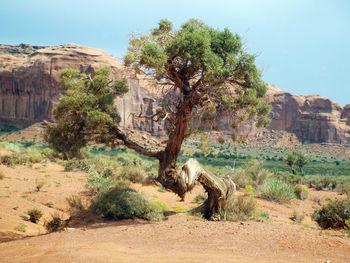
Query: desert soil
column 179, row 238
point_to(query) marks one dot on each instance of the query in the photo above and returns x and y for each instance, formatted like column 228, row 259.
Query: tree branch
column 135, row 146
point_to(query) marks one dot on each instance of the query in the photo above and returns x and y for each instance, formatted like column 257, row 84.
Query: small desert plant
column 2, row 175
column 248, row 189
column 240, row 207
column 301, row 192
column 262, row 217
column 55, row 224
column 124, row 203
column 39, row 184
column 34, row 215
column 164, row 207
column 333, row 214
column 97, row 183
column 161, row 189
column 276, row 190
column 21, row 227
column 134, row 173
column 297, row 216
column 76, row 206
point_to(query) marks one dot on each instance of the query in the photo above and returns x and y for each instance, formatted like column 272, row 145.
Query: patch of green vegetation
column 301, row 192
column 55, row 224
column 240, row 207
column 333, row 214
column 21, row 227
column 276, row 190
column 34, row 215
column 124, row 203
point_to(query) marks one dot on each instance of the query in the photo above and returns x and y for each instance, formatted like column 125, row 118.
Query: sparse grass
column 39, row 184
column 301, row 192
column 297, row 216
column 21, row 227
column 76, row 206
column 261, row 217
column 240, row 207
column 55, row 224
column 98, row 183
column 276, row 190
column 34, row 215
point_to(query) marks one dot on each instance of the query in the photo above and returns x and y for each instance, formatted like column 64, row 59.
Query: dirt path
column 180, row 239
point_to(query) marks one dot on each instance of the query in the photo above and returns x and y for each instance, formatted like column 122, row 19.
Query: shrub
column 97, row 183
column 21, row 227
column 240, row 207
column 276, row 190
column 55, row 224
column 321, row 182
column 288, row 178
column 301, row 192
column 2, row 175
column 34, row 215
column 124, row 203
column 39, row 184
column 134, row 173
column 333, row 214
column 76, row 206
column 297, row 216
column 14, row 159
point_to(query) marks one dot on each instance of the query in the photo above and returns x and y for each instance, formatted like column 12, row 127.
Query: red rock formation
column 30, row 84
column 312, row 118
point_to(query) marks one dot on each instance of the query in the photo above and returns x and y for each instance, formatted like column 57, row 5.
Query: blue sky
column 303, row 46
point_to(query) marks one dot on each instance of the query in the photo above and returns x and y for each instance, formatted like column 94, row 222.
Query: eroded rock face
column 30, row 84
column 312, row 118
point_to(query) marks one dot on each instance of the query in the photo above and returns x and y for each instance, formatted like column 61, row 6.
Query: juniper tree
column 208, row 74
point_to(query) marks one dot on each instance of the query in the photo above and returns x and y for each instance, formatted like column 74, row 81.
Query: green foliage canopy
column 86, row 112
column 209, row 65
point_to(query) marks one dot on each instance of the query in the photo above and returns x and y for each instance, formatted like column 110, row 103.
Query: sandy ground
column 180, row 238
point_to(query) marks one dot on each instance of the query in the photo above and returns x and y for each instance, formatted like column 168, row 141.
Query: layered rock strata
column 30, row 85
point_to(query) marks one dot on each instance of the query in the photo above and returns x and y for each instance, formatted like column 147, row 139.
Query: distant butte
column 30, row 85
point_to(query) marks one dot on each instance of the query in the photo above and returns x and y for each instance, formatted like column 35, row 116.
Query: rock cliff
column 30, row 85
column 311, row 118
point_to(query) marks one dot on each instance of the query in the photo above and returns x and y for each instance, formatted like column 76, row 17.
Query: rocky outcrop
column 312, row 118
column 30, row 85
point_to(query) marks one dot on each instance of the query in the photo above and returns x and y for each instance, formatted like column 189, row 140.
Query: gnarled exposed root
column 218, row 189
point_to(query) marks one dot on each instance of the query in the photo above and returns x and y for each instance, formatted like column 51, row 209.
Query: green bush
column 124, row 203
column 13, row 159
column 301, row 192
column 98, row 183
column 321, row 182
column 55, row 224
column 240, row 207
column 333, row 214
column 276, row 190
column 34, row 215
column 288, row 178
column 135, row 174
